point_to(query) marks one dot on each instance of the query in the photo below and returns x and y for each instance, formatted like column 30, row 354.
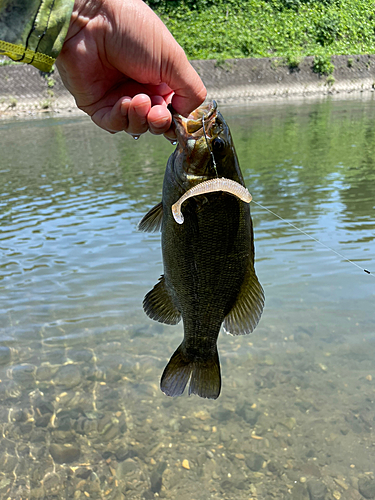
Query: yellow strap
column 19, row 53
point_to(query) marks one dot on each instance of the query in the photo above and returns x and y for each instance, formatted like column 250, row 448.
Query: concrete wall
column 23, row 89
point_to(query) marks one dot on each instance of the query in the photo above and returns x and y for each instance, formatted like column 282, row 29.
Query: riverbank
column 26, row 91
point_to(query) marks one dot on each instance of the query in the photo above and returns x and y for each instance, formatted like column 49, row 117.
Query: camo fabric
column 33, row 31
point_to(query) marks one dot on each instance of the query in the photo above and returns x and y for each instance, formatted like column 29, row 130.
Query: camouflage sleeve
column 33, row 31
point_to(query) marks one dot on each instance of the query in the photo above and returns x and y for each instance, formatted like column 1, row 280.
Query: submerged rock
column 68, row 376
column 366, row 487
column 5, row 355
column 317, row 490
column 64, row 453
column 254, row 461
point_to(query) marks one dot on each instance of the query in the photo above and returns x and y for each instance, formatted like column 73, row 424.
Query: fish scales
column 209, row 277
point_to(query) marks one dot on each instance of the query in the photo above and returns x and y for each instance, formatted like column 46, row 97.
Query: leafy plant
column 290, row 29
column 323, row 65
column 327, row 30
column 293, row 59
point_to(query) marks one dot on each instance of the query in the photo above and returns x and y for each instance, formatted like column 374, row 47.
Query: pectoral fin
column 247, row 310
column 151, row 222
column 158, row 304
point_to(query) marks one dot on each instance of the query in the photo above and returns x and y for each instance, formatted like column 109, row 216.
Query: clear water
column 81, row 412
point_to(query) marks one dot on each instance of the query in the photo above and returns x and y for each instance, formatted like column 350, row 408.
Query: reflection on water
column 81, row 412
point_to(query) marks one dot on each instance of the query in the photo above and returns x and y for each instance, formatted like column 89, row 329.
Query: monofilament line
column 208, row 147
column 312, row 238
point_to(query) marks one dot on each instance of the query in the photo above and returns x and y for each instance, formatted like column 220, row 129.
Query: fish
column 208, row 251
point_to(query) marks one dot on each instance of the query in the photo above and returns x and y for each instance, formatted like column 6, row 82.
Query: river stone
column 64, row 453
column 24, row 375
column 366, row 487
column 274, row 467
column 148, row 495
column 249, row 414
column 156, row 477
column 79, row 356
column 43, row 421
column 44, row 373
column 52, row 483
column 222, row 414
column 299, row 492
column 5, row 355
column 8, row 462
column 68, row 376
column 254, row 461
column 125, row 467
column 122, row 453
column 317, row 490
column 44, row 406
column 37, row 493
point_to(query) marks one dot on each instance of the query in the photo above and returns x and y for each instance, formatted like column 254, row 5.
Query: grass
column 291, row 29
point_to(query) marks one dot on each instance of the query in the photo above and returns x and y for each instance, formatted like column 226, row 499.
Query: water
column 81, row 412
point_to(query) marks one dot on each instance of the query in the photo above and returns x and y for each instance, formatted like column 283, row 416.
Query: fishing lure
column 211, row 186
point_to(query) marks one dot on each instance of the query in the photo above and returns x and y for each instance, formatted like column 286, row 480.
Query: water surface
column 81, row 412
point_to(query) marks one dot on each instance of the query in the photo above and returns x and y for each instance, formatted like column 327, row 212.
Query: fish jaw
column 192, row 126
column 193, row 135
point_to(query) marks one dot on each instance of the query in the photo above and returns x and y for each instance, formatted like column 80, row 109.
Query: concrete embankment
column 23, row 89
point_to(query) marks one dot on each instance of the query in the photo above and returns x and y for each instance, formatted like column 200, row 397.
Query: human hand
column 124, row 67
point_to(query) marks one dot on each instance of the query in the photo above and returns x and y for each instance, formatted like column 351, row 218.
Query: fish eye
column 218, row 145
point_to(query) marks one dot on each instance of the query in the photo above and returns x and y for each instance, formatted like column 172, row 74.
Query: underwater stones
column 82, row 355
column 299, row 492
column 248, row 413
column 24, row 375
column 52, row 483
column 83, row 425
column 156, row 477
column 8, row 462
column 37, row 493
column 317, row 490
column 68, row 376
column 222, row 414
column 254, row 461
column 126, row 467
column 122, row 453
column 64, row 453
column 274, row 467
column 5, row 355
column 366, row 487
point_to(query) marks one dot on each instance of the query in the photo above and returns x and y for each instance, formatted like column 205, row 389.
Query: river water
column 81, row 412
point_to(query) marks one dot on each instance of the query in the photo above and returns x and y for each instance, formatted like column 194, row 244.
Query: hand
column 123, row 67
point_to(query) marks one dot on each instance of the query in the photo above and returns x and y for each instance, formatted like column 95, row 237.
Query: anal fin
column 247, row 310
column 151, row 222
column 158, row 304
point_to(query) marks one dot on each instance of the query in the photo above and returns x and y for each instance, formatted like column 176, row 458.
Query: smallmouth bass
column 208, row 256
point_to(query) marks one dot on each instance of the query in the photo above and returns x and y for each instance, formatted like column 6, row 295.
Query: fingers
column 135, row 116
column 189, row 90
column 159, row 118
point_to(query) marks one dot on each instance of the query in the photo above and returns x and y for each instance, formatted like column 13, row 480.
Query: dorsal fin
column 247, row 310
column 151, row 222
column 158, row 304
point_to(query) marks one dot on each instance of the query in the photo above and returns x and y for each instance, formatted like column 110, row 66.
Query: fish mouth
column 196, row 125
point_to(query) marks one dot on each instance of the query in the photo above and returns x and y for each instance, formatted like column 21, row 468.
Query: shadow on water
column 81, row 412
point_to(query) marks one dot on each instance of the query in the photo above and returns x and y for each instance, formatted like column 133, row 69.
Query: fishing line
column 208, row 147
column 312, row 238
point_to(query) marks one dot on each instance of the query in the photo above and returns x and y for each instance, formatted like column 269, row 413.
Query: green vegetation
column 291, row 29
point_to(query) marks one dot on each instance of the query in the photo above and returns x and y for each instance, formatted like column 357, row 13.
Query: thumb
column 189, row 90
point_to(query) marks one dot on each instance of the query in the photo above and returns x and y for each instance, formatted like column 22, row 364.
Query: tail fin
column 205, row 376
